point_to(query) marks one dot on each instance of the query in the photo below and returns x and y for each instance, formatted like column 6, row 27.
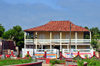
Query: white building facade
column 57, row 35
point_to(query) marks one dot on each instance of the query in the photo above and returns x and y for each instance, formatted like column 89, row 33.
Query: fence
column 83, row 52
column 51, row 53
column 54, row 53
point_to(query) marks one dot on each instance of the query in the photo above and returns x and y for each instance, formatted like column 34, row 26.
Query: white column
column 75, row 37
column 42, row 46
column 68, row 46
column 75, row 40
column 50, row 40
column 90, row 40
column 36, row 40
column 91, row 47
column 75, row 46
column 60, row 41
column 90, row 36
column 24, row 40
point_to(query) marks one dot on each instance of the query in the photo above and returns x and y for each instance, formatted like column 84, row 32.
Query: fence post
column 99, row 54
column 60, row 55
column 45, row 54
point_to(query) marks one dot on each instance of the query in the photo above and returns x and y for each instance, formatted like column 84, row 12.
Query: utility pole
column 70, row 39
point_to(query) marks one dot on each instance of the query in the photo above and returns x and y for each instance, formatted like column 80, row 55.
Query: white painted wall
column 24, row 52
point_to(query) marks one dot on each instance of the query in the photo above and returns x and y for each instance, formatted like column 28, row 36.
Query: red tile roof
column 58, row 26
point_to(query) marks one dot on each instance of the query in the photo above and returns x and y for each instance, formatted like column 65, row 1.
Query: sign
column 38, row 53
column 51, row 53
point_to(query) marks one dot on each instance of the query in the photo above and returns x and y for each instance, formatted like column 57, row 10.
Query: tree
column 98, row 46
column 95, row 36
column 9, row 34
column 16, row 34
column 86, row 34
column 86, row 27
column 2, row 29
column 95, row 33
column 94, row 43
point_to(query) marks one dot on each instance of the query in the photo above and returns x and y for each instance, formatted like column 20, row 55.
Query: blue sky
column 32, row 13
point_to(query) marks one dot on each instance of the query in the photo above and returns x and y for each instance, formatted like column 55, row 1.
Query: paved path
column 43, row 64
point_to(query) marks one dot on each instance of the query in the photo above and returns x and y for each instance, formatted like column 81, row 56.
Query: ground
column 54, row 65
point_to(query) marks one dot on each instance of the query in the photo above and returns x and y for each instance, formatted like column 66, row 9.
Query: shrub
column 27, row 55
column 80, row 63
column 91, row 62
column 54, row 61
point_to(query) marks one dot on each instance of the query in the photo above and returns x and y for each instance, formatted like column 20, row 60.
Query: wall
column 80, row 35
column 83, row 47
column 45, row 34
column 24, row 52
column 56, row 35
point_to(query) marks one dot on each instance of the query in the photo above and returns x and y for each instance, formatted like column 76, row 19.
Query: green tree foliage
column 2, row 29
column 16, row 34
column 86, row 27
column 98, row 46
column 95, row 37
column 86, row 34
column 9, row 34
column 95, row 33
column 94, row 43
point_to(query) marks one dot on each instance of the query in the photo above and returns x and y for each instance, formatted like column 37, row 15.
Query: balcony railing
column 30, row 41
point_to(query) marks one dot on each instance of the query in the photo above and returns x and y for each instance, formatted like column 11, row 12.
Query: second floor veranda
column 57, row 37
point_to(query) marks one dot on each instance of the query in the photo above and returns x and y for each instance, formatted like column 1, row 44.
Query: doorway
column 56, row 47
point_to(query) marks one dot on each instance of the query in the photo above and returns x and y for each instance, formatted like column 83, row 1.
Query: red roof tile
column 58, row 26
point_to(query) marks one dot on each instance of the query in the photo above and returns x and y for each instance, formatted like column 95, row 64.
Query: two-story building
column 58, row 35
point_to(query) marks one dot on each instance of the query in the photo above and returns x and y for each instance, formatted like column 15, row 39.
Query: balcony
column 58, row 41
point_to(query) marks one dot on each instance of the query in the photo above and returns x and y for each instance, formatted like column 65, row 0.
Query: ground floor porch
column 60, row 47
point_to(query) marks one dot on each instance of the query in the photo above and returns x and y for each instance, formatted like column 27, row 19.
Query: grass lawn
column 15, row 61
